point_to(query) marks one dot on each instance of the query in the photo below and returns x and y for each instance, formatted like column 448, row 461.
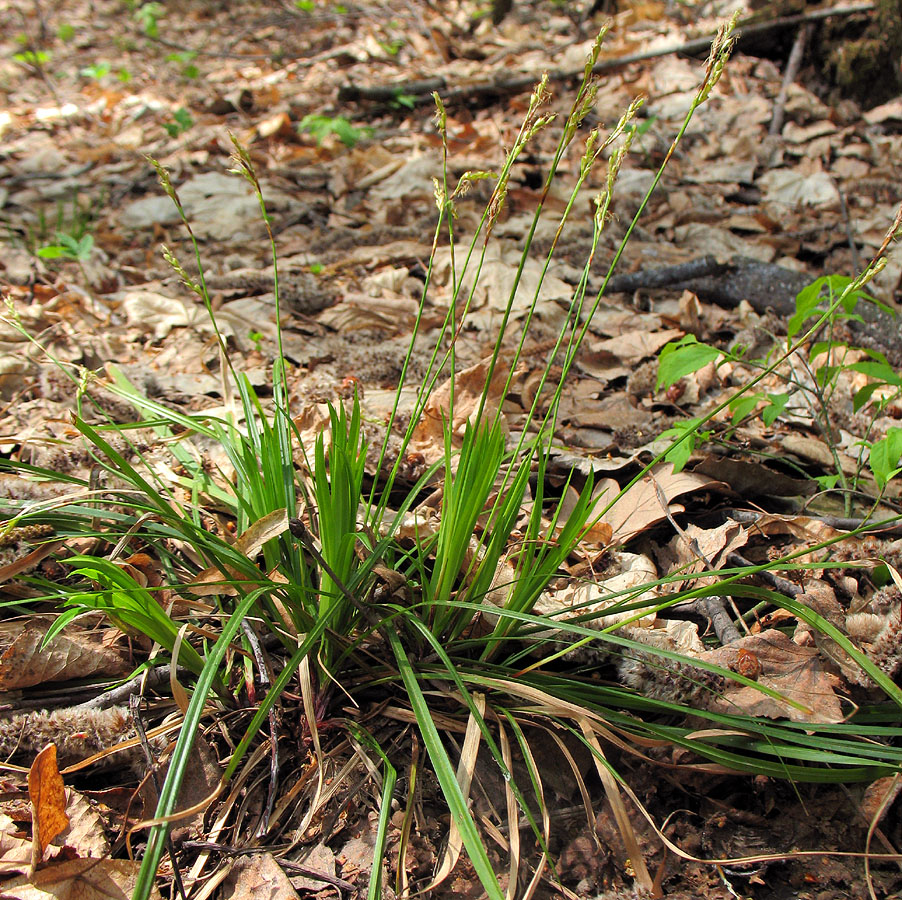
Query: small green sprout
column 96, row 70
column 321, row 127
column 68, row 247
column 182, row 121
column 185, row 58
column 148, row 17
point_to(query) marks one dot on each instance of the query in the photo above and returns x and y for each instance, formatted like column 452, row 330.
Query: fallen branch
column 763, row 285
column 420, row 92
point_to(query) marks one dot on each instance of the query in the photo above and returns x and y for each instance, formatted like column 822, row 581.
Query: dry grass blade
column 309, row 701
column 465, row 768
column 537, row 875
column 513, row 817
column 630, row 841
column 580, row 781
column 239, row 783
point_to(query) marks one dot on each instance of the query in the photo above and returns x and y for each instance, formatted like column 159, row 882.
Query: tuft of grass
column 439, row 618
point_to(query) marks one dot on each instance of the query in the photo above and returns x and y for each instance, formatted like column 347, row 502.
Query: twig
column 385, row 93
column 664, row 276
column 789, row 76
column 339, row 883
column 713, row 608
column 783, row 585
column 884, row 526
column 763, row 285
column 118, row 695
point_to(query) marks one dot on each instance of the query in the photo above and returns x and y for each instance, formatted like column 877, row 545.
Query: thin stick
column 789, row 76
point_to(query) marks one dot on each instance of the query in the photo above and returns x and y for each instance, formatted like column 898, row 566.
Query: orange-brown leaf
column 48, row 802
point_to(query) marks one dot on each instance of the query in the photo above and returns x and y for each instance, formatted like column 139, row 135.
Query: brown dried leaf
column 79, row 879
column 86, row 834
column 15, row 848
column 794, row 671
column 632, row 571
column 697, row 548
column 73, row 654
column 48, row 802
column 880, row 796
column 210, row 581
column 429, row 435
column 632, row 346
column 639, row 508
column 199, row 788
column 259, row 878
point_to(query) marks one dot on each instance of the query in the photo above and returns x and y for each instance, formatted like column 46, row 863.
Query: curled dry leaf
column 86, row 834
column 880, row 796
column 15, row 848
column 591, row 597
column 640, row 507
column 211, row 581
column 696, row 548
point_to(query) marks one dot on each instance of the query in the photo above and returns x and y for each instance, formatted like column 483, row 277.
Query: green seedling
column 819, row 307
column 69, row 247
column 392, row 47
column 402, row 100
column 185, row 59
column 148, row 17
column 65, row 32
column 69, row 235
column 181, row 122
column 321, row 127
column 32, row 58
column 96, row 70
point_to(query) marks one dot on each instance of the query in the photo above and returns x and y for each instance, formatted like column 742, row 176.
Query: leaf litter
column 353, row 215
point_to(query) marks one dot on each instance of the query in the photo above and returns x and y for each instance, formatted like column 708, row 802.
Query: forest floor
column 333, row 102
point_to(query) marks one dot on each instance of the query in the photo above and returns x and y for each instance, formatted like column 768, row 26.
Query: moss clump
column 866, row 65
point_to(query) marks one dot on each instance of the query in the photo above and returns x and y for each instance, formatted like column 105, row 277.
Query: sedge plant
column 442, row 619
